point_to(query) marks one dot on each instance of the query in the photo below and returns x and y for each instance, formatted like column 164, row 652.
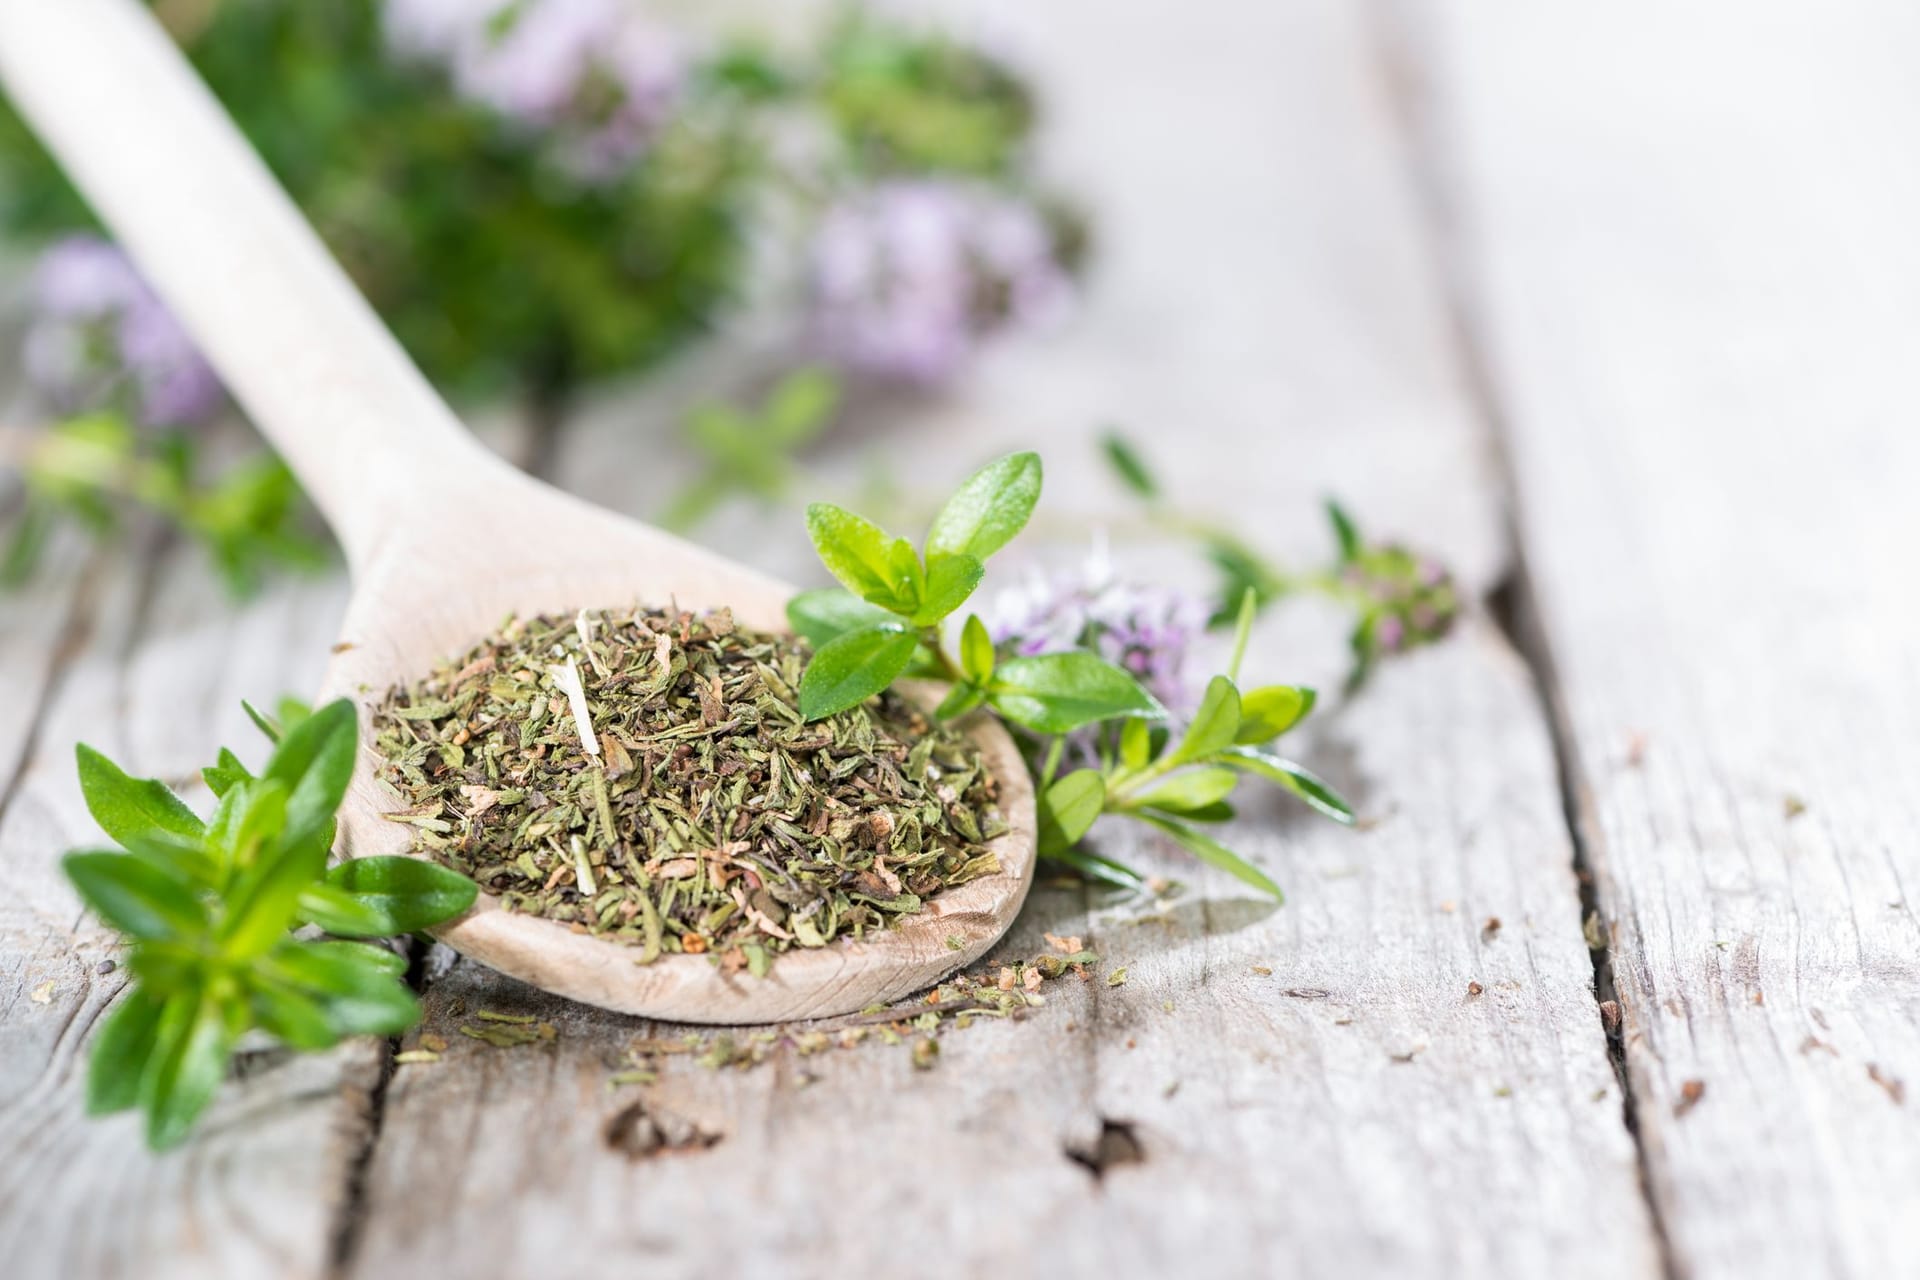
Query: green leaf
column 990, row 507
column 134, row 896
column 189, row 1061
column 976, row 650
column 1345, row 533
column 121, row 1049
column 1218, row 811
column 178, row 860
column 1271, row 710
column 1136, row 744
column 960, row 699
column 265, row 723
column 315, row 760
column 1191, row 789
column 132, row 808
column 852, row 668
column 407, row 894
column 1061, row 692
column 297, row 1018
column 863, row 556
column 362, row 995
column 1069, row 807
column 826, row 612
column 1213, row 725
column 1294, row 778
column 339, row 912
column 800, row 405
column 1091, row 866
column 950, row 580
column 265, row 902
column 1129, row 465
column 222, row 777
column 251, row 815
column 1213, row 853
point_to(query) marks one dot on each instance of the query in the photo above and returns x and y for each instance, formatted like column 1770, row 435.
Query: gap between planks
column 1408, row 69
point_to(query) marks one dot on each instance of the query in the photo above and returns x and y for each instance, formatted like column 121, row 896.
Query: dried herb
column 646, row 776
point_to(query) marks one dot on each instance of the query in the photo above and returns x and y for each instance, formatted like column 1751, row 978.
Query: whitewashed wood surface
column 1644, row 279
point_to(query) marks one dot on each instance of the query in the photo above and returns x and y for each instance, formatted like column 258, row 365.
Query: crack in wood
column 1407, row 61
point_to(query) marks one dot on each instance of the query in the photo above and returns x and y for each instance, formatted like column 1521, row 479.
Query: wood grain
column 1267, row 319
column 1690, row 250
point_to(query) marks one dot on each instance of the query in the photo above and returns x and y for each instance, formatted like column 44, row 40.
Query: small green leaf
column 315, row 760
column 1271, row 710
column 1291, row 776
column 1214, row 724
column 363, row 996
column 1136, row 744
column 852, row 668
column 408, row 894
column 1129, row 465
column 121, row 1049
column 860, row 554
column 1191, row 789
column 251, row 814
column 189, row 1061
column 221, row 777
column 976, row 650
column 134, row 896
column 1218, row 811
column 800, row 405
column 950, row 580
column 1345, row 533
column 989, row 508
column 132, row 808
column 1213, row 853
column 1091, row 866
column 1061, row 692
column 1069, row 807
column 826, row 612
column 265, row 723
column 960, row 699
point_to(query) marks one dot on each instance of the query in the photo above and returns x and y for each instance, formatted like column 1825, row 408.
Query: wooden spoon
column 443, row 539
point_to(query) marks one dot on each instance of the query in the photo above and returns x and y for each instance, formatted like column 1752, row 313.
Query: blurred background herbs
column 537, row 194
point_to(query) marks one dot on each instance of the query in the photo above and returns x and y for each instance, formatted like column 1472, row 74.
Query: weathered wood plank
column 1696, row 282
column 1267, row 317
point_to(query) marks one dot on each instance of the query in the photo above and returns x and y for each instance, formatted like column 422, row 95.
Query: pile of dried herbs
column 646, row 776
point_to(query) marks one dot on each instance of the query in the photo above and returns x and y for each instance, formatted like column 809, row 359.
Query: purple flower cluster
column 907, row 277
column 1144, row 628
column 1406, row 600
column 596, row 73
column 100, row 333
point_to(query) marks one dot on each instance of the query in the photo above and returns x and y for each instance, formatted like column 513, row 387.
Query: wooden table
column 1618, row 308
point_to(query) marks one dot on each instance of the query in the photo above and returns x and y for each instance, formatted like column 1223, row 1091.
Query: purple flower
column 1145, row 628
column 907, row 277
column 593, row 72
column 99, row 332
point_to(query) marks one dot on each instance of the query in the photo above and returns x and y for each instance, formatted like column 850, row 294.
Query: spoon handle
column 301, row 350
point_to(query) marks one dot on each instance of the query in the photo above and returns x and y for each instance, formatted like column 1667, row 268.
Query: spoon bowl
column 443, row 540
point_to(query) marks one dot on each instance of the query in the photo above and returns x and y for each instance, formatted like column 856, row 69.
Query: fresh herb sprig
column 1400, row 600
column 248, row 518
column 1179, row 783
column 891, row 622
column 749, row 451
column 210, row 911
